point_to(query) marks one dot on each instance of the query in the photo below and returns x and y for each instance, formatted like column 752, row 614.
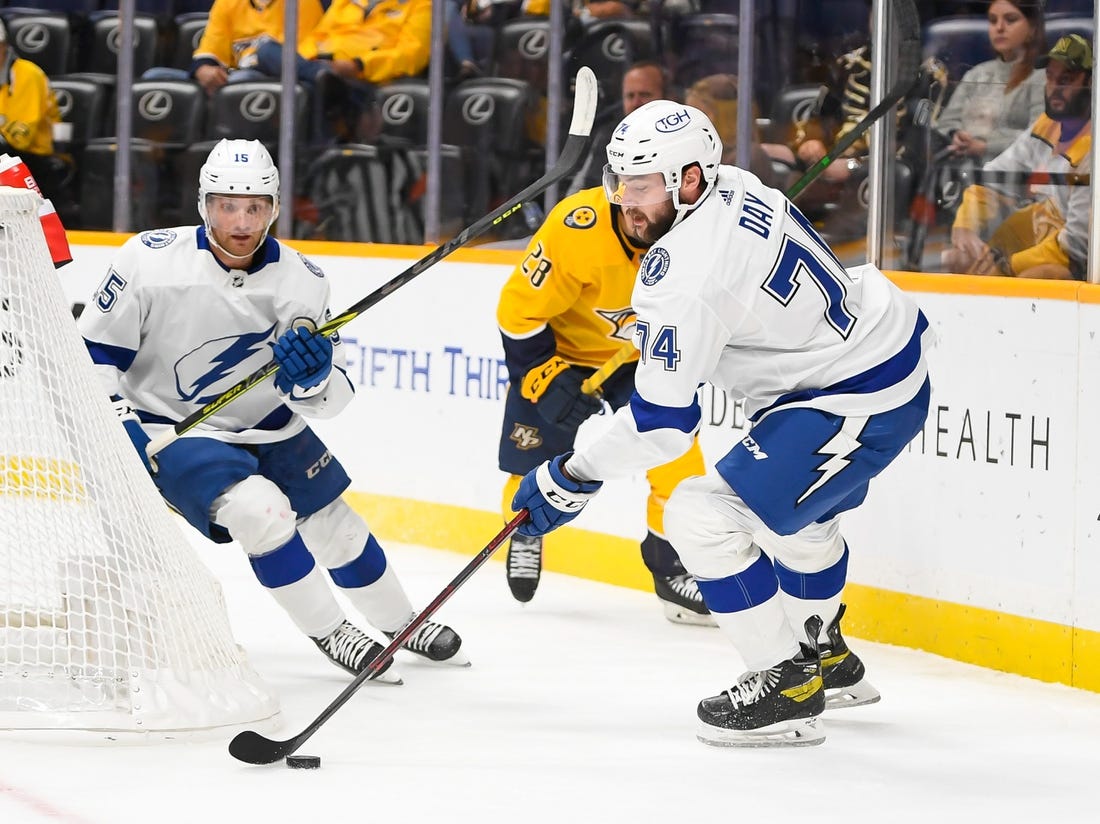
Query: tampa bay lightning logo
column 313, row 267
column 206, row 372
column 158, row 238
column 654, row 265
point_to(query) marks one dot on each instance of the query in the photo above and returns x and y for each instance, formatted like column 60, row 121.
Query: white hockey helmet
column 239, row 167
column 661, row 137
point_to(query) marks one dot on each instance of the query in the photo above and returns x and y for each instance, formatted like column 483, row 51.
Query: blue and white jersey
column 743, row 293
column 170, row 329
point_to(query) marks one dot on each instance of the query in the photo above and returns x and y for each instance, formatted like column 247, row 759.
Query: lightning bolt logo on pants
column 836, row 452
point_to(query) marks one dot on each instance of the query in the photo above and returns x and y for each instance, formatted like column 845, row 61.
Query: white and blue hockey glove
column 125, row 411
column 305, row 362
column 551, row 498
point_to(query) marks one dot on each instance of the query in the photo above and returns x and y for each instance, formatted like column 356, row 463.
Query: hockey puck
column 303, row 762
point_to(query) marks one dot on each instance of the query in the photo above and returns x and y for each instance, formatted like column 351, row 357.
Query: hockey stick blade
column 252, row 748
column 573, row 152
column 908, row 62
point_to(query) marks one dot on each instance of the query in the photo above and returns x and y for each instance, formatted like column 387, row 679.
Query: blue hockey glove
column 132, row 425
column 304, row 358
column 555, row 389
column 551, row 498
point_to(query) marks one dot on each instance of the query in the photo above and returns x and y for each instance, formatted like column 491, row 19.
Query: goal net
column 108, row 619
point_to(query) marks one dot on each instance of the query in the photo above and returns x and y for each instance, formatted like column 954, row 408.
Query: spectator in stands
column 363, row 46
column 716, row 97
column 28, row 112
column 998, row 99
column 645, row 80
column 848, row 101
column 464, row 41
column 1048, row 238
column 227, row 51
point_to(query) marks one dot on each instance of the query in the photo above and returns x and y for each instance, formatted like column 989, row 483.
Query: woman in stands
column 998, row 99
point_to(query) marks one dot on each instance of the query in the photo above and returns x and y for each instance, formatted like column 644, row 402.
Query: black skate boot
column 436, row 642
column 351, row 649
column 524, row 566
column 682, row 601
column 770, row 708
column 843, row 673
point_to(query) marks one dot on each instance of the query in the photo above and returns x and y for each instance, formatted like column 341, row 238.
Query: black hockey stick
column 253, row 748
column 909, row 51
column 574, row 150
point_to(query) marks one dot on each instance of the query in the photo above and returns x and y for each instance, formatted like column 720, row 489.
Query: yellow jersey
column 28, row 109
column 570, row 295
column 392, row 38
column 234, row 28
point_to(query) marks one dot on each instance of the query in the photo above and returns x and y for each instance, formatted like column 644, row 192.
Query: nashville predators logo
column 583, row 217
column 622, row 322
column 526, row 437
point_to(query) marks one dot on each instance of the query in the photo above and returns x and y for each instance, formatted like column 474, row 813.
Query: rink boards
column 979, row 543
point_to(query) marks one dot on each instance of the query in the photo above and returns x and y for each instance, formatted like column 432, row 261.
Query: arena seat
column 960, row 43
column 44, row 38
column 100, row 52
column 1058, row 25
column 251, row 111
column 83, row 103
column 608, row 47
column 521, row 51
column 487, row 118
column 188, row 32
column 404, row 108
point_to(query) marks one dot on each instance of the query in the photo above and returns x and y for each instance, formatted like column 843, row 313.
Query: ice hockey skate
column 776, row 707
column 843, row 673
column 681, row 600
column 351, row 649
column 435, row 642
column 524, row 566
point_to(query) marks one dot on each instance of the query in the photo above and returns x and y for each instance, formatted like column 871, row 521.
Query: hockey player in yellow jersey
column 563, row 313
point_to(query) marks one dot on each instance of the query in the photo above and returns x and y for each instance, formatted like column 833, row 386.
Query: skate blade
column 802, row 732
column 459, row 659
column 681, row 615
column 860, row 693
column 390, row 678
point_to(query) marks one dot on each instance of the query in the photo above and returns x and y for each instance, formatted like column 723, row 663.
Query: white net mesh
column 108, row 619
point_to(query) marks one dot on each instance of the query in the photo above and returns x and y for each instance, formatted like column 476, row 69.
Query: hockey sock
column 372, row 586
column 812, row 593
column 659, row 556
column 291, row 576
column 747, row 608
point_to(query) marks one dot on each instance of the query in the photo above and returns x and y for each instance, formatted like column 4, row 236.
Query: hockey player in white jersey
column 739, row 290
column 185, row 313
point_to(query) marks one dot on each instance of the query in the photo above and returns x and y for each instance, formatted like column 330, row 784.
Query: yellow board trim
column 33, row 477
column 995, row 640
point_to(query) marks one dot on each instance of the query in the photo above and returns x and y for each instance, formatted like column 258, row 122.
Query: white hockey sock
column 761, row 634
column 384, row 603
column 799, row 609
column 310, row 604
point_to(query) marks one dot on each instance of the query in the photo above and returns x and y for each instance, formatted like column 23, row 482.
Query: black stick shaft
column 253, row 748
column 892, row 99
column 572, row 154
column 908, row 66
